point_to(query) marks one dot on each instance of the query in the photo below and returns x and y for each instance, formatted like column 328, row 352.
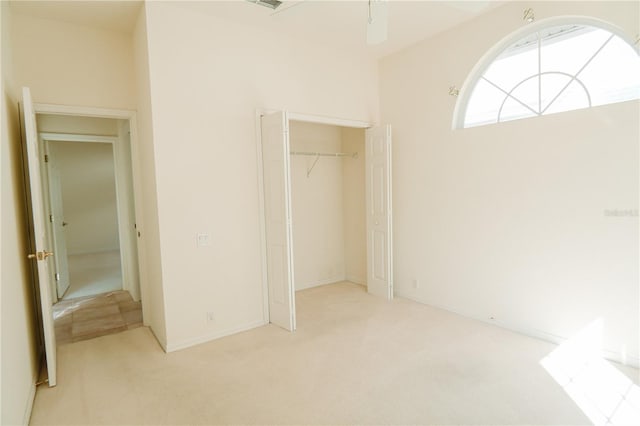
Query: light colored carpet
column 355, row 359
column 94, row 273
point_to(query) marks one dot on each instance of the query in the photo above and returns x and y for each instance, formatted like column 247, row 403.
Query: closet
column 326, row 198
column 328, row 204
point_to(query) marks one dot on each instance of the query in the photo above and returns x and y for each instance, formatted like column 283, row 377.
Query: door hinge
column 57, row 276
column 51, row 218
column 46, row 158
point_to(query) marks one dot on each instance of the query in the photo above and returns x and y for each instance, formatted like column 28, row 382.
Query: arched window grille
column 552, row 68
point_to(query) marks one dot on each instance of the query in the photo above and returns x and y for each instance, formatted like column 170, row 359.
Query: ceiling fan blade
column 377, row 22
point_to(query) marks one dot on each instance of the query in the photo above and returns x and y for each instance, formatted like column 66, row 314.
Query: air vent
column 271, row 4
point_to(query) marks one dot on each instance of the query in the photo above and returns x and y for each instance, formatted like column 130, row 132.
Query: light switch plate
column 203, row 240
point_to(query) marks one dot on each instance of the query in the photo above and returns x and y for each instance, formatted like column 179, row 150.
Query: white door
column 378, row 190
column 277, row 205
column 58, row 224
column 41, row 256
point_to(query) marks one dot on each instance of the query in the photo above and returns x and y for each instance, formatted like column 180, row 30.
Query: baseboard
column 356, row 280
column 29, row 403
column 172, row 347
column 161, row 342
column 538, row 334
column 304, row 286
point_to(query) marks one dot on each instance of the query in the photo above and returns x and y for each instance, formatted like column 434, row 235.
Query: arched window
column 553, row 67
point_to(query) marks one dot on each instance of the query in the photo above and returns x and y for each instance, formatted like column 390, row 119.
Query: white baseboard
column 356, row 280
column 29, row 402
column 632, row 361
column 162, row 343
column 311, row 284
column 172, row 347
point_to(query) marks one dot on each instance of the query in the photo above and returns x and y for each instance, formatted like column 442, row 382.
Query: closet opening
column 326, row 196
column 328, row 204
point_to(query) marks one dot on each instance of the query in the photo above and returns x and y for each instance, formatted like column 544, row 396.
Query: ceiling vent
column 271, row 4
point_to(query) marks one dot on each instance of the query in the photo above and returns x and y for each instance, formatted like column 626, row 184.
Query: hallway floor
column 94, row 316
column 93, row 273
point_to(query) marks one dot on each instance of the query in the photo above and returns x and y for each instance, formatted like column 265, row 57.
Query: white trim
column 356, row 280
column 332, row 121
column 318, row 283
column 31, row 397
column 54, row 109
column 487, row 59
column 530, row 332
column 74, row 137
column 187, row 343
column 261, row 218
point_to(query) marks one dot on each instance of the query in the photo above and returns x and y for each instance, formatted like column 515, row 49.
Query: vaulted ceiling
column 334, row 23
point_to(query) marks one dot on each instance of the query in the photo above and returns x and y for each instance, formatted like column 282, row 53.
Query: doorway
column 41, row 238
column 90, row 209
column 83, row 217
column 283, row 136
column 89, row 202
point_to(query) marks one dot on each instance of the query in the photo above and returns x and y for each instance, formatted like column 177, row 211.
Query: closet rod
column 325, row 154
column 322, row 154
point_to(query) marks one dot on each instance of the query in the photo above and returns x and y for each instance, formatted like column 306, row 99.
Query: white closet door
column 277, row 204
column 41, row 256
column 379, row 220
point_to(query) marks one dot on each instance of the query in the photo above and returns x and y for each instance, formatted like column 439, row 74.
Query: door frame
column 292, row 116
column 117, row 114
column 126, row 246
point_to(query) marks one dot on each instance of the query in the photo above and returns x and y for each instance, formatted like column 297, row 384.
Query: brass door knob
column 40, row 255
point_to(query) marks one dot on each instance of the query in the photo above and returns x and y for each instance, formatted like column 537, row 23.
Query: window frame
column 496, row 50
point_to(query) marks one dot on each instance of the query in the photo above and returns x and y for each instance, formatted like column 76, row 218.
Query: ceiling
column 109, row 15
column 341, row 24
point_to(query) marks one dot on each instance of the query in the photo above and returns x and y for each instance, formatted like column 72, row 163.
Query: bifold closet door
column 277, row 205
column 378, row 205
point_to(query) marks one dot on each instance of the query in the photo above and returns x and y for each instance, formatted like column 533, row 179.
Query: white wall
column 19, row 353
column 508, row 221
column 207, row 78
column 87, row 178
column 316, row 203
column 354, row 206
column 112, row 78
column 72, row 64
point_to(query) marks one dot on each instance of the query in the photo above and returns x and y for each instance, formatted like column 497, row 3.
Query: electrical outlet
column 416, row 284
column 210, row 317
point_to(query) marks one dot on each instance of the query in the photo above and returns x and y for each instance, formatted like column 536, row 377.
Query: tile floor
column 89, row 317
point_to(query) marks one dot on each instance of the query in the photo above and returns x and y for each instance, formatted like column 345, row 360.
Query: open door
column 41, row 255
column 277, row 205
column 58, row 225
column 378, row 190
